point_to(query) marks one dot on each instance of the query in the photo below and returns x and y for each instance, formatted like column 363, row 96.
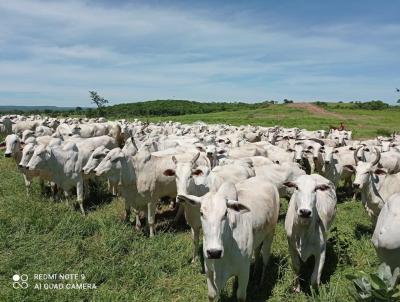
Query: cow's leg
column 66, row 196
column 211, row 289
column 127, row 211
column 79, row 194
column 109, row 187
column 296, row 267
column 42, row 186
column 151, row 215
column 138, row 225
column 85, row 193
column 266, row 253
column 195, row 237
column 243, row 280
column 179, row 213
column 318, row 266
column 27, row 184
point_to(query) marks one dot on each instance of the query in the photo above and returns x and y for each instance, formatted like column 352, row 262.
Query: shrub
column 380, row 286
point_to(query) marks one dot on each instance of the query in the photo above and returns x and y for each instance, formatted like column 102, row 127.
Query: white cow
column 376, row 186
column 63, row 165
column 145, row 178
column 311, row 211
column 238, row 221
column 278, row 174
column 386, row 237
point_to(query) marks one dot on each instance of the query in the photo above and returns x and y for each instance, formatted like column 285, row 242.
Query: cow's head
column 111, row 163
column 95, row 158
column 12, row 144
column 328, row 154
column 27, row 153
column 185, row 172
column 39, row 158
column 27, row 134
column 366, row 171
column 305, row 195
column 217, row 212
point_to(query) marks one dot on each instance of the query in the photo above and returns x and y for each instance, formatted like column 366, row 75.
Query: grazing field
column 364, row 123
column 38, row 235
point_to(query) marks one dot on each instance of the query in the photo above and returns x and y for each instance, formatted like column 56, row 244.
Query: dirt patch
column 316, row 110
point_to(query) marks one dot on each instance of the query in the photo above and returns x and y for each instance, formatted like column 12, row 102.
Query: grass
column 38, row 235
column 364, row 123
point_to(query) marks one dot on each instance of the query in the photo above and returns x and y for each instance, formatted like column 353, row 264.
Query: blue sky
column 54, row 52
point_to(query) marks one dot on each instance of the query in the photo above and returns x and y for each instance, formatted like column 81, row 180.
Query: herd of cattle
column 224, row 179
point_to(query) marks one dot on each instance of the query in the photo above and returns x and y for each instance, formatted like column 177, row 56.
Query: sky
column 54, row 52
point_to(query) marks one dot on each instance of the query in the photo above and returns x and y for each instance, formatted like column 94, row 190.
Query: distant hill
column 176, row 107
column 11, row 108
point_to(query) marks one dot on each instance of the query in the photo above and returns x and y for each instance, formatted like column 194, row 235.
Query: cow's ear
column 349, row 168
column 236, row 206
column 380, row 171
column 352, row 148
column 322, row 187
column 290, row 184
column 190, row 199
column 197, row 172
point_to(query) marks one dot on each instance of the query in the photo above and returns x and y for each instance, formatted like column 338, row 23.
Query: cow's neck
column 304, row 232
column 371, row 197
column 128, row 174
column 238, row 235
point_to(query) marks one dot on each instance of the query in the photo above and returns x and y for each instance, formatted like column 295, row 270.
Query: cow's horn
column 378, row 156
column 355, row 154
column 195, row 158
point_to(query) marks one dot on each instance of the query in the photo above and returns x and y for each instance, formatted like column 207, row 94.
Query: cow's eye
column 201, row 214
column 226, row 213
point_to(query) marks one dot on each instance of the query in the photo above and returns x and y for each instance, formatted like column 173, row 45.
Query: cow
column 194, row 177
column 338, row 164
column 278, row 174
column 63, row 165
column 145, row 178
column 238, row 221
column 7, row 124
column 94, row 160
column 390, row 160
column 310, row 214
column 386, row 237
column 375, row 184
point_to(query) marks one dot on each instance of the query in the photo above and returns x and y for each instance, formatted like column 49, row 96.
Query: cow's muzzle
column 7, row 154
column 214, row 254
column 304, row 213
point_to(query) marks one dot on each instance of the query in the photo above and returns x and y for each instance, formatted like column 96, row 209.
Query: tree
column 398, row 101
column 99, row 101
column 78, row 109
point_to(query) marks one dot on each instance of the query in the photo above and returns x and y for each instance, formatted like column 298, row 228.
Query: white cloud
column 60, row 50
